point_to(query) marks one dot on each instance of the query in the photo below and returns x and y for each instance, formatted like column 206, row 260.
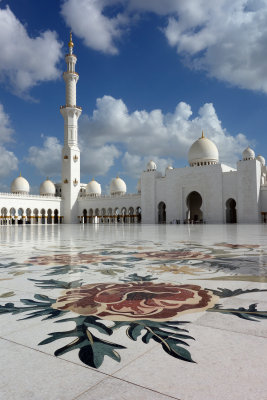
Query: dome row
column 117, row 187
column 202, row 152
column 20, row 185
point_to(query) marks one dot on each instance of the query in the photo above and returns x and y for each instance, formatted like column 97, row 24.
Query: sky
column 153, row 75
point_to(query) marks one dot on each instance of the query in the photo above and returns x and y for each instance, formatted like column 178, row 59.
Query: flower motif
column 133, row 301
column 67, row 259
column 172, row 255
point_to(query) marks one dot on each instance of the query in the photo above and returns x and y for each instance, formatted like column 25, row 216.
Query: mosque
column 204, row 192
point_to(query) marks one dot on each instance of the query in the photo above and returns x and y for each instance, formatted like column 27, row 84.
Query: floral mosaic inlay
column 126, row 287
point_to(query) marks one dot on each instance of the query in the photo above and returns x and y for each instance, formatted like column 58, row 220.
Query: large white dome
column 20, row 185
column 248, row 154
column 47, row 188
column 93, row 188
column 117, row 186
column 261, row 160
column 151, row 166
column 203, row 152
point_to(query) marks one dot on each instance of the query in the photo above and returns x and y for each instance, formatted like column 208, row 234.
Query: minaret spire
column 71, row 44
column 70, row 182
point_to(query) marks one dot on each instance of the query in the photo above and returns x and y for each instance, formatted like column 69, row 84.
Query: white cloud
column 97, row 161
column 46, row 158
column 87, row 20
column 164, row 137
column 6, row 131
column 225, row 38
column 26, row 61
column 8, row 162
column 134, row 164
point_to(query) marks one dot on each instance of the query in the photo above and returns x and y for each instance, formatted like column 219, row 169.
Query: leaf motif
column 223, row 292
column 134, row 331
column 54, row 284
column 177, row 351
column 251, row 313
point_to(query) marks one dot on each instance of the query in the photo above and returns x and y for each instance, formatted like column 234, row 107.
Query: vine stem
column 237, row 311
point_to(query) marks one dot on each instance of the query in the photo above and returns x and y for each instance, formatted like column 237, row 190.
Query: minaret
column 70, row 185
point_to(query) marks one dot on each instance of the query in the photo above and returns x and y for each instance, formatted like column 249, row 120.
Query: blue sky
column 153, row 74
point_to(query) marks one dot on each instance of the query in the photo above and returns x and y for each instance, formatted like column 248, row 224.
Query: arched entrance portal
column 230, row 211
column 194, row 212
column 162, row 213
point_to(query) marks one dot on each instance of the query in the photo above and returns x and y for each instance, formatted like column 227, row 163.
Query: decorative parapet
column 108, row 196
column 27, row 196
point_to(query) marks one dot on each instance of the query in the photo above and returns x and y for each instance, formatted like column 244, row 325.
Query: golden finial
column 71, row 44
column 202, row 136
column 93, row 179
column 20, row 173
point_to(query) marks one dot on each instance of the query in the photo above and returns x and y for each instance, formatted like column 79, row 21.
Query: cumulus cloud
column 134, row 164
column 133, row 138
column 97, row 161
column 47, row 159
column 22, row 57
column 8, row 162
column 6, row 131
column 225, row 38
column 164, row 137
column 89, row 23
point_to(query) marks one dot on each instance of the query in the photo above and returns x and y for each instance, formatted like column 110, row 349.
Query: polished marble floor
column 133, row 312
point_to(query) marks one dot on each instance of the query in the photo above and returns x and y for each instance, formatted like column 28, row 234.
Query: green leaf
column 54, row 284
column 134, row 331
column 177, row 351
column 251, row 314
column 223, row 292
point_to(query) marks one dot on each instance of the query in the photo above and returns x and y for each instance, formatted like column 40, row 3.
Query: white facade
column 205, row 191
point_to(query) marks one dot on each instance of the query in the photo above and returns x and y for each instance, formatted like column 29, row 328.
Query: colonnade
column 111, row 216
column 29, row 216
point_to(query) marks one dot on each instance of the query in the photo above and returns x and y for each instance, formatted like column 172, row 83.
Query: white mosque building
column 205, row 191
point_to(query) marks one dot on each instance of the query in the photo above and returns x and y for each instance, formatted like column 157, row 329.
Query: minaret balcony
column 70, row 72
column 71, row 106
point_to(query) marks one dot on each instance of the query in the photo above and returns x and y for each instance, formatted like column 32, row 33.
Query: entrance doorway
column 162, row 213
column 194, row 212
column 231, row 211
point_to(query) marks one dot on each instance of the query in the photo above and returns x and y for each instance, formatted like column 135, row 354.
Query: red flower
column 136, row 300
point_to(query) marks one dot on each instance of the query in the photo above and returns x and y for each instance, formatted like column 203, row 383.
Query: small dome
column 203, row 152
column 261, row 160
column 248, row 154
column 117, row 186
column 20, row 185
column 151, row 166
column 168, row 168
column 139, row 186
column 47, row 188
column 93, row 188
